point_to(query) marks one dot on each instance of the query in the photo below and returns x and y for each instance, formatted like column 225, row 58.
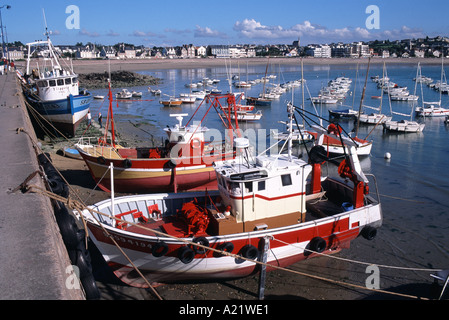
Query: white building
column 201, row 51
column 320, row 51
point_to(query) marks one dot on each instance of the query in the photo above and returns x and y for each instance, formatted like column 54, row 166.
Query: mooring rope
column 79, row 206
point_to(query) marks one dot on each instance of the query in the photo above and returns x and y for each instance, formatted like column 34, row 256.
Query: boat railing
column 87, row 140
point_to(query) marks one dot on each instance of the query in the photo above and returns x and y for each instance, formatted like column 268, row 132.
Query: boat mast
column 363, row 97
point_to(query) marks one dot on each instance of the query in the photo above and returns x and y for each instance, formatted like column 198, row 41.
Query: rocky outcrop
column 119, row 79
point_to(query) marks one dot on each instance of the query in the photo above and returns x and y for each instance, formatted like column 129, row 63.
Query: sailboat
column 375, row 118
column 404, row 125
column 265, row 211
column 432, row 109
column 262, row 100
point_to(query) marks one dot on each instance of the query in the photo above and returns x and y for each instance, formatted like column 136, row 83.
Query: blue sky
column 170, row 23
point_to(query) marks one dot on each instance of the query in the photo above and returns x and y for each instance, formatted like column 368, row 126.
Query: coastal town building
column 420, row 48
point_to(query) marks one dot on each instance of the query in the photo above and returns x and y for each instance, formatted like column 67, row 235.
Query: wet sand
column 395, row 245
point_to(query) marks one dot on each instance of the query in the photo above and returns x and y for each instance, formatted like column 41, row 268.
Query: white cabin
column 269, row 192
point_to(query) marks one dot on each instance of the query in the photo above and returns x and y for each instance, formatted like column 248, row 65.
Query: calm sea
column 414, row 183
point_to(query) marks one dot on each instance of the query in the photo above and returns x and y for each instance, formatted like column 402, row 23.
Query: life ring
column 159, row 249
column 101, row 160
column 203, row 241
column 127, row 164
column 317, row 244
column 186, row 255
column 369, row 233
column 196, row 143
column 249, row 252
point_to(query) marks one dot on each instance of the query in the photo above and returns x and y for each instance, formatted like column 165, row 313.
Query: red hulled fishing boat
column 280, row 202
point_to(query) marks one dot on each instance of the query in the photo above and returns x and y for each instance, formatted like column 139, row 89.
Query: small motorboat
column 124, row 94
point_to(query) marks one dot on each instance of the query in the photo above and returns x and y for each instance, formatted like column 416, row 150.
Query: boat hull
column 288, row 244
column 152, row 175
column 65, row 114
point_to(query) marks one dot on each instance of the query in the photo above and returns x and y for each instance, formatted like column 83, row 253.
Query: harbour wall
column 34, row 264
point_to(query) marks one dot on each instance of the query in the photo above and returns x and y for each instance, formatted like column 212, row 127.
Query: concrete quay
column 33, row 258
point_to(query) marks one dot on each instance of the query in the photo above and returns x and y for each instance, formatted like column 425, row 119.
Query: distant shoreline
column 98, row 66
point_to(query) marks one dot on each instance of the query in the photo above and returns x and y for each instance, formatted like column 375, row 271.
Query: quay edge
column 33, row 257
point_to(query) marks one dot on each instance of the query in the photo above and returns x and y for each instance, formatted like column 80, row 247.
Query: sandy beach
column 90, row 66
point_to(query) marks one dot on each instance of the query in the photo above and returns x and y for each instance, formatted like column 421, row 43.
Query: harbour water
column 413, row 184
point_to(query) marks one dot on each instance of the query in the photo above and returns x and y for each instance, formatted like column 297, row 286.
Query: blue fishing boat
column 52, row 90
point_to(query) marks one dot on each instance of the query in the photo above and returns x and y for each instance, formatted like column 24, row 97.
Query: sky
column 173, row 23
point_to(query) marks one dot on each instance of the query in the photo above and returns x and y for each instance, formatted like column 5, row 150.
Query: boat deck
column 317, row 208
column 98, row 151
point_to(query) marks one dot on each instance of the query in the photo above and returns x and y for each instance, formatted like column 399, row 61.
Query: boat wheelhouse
column 280, row 199
column 53, row 91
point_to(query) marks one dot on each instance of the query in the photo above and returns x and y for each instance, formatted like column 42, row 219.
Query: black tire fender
column 317, row 244
column 202, row 241
column 159, row 249
column 186, row 255
column 249, row 252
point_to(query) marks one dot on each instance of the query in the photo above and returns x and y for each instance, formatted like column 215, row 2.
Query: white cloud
column 208, row 33
column 252, row 29
column 84, row 32
column 112, row 34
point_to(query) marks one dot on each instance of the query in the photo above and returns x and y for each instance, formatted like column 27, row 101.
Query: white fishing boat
column 264, row 212
column 187, row 99
column 374, row 118
column 431, row 109
column 246, row 115
column 124, row 94
column 324, row 100
column 136, row 94
column 403, row 126
column 52, row 89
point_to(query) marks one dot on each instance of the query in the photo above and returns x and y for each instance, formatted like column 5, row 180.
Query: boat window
column 286, row 180
column 60, row 82
column 43, row 84
column 75, row 80
column 248, row 187
column 52, row 83
column 68, row 81
column 261, row 185
column 235, row 188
